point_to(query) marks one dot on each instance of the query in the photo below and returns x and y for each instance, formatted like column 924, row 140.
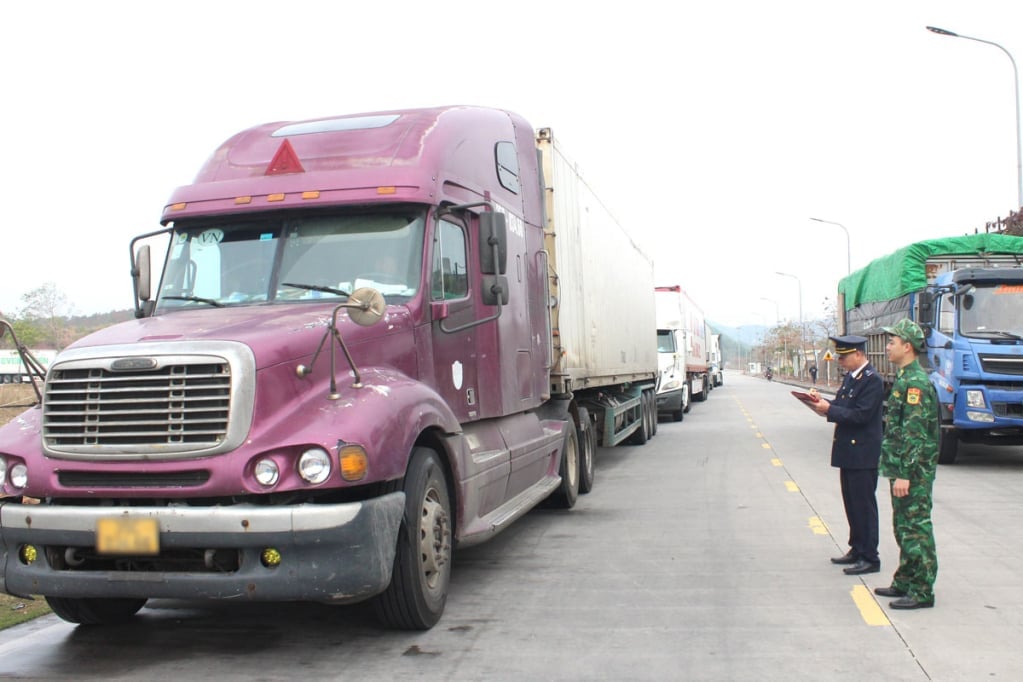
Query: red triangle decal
column 284, row 161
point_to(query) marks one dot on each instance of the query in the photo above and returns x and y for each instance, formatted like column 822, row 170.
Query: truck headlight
column 314, row 465
column 19, row 475
column 267, row 472
column 975, row 399
column 671, row 385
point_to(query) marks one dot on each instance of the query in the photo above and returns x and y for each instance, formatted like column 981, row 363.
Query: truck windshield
column 277, row 259
column 665, row 341
column 992, row 312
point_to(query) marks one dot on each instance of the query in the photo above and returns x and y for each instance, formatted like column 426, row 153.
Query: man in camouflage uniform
column 909, row 457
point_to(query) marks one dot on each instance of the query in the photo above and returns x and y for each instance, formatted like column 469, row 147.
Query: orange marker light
column 387, row 190
column 354, row 463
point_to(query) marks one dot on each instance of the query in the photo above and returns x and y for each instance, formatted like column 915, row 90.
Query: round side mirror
column 366, row 306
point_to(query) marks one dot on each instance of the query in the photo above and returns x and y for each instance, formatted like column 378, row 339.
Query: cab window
column 449, row 277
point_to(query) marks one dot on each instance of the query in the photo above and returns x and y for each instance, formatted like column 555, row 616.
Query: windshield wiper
column 997, row 332
column 316, row 287
column 197, row 299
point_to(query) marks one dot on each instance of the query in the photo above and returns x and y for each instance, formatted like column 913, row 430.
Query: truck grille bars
column 1002, row 364
column 154, row 406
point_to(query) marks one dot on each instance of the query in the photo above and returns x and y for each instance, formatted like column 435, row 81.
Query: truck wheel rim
column 434, row 539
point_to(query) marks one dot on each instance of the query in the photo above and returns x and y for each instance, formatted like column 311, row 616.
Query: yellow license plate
column 127, row 535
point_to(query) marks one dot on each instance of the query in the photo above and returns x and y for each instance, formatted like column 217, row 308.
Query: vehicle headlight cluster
column 15, row 473
column 975, row 398
column 313, row 466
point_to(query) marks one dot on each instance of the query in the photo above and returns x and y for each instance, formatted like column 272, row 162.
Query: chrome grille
column 177, row 404
column 148, row 401
column 1002, row 364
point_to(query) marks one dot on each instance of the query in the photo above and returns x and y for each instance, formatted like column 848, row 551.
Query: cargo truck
column 13, row 369
column 967, row 295
column 373, row 338
column 717, row 377
column 682, row 352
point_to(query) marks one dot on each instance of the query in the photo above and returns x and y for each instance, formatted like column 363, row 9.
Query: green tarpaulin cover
column 904, row 271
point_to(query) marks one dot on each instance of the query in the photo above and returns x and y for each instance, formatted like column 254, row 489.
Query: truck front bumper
column 669, row 401
column 339, row 553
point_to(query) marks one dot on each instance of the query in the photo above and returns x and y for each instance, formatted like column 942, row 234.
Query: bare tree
column 47, row 309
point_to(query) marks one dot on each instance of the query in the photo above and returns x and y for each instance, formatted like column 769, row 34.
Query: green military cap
column 909, row 331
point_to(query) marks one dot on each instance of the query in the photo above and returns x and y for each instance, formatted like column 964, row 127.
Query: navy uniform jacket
column 856, row 413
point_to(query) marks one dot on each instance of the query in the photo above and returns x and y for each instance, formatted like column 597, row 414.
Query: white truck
column 682, row 352
column 12, row 368
column 717, row 377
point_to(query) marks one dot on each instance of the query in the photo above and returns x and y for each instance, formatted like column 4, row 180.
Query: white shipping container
column 602, row 284
column 675, row 310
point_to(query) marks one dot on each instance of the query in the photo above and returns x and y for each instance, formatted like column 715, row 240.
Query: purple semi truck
column 360, row 342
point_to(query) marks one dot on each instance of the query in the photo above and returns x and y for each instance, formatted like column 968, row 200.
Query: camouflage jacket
column 909, row 449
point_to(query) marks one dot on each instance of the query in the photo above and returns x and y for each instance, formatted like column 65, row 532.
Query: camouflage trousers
column 914, row 533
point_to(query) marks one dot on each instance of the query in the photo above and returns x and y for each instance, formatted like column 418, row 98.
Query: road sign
column 828, row 356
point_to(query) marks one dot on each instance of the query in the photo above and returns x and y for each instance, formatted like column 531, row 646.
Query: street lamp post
column 848, row 249
column 1015, row 81
column 802, row 343
column 777, row 321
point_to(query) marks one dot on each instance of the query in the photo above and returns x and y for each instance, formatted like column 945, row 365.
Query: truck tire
column 587, row 440
column 642, row 434
column 567, row 493
column 948, row 446
column 422, row 562
column 651, row 405
column 95, row 611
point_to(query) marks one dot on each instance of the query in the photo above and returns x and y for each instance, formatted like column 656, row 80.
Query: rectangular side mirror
column 493, row 243
column 141, row 274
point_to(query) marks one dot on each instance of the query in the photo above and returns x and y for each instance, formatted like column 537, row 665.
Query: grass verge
column 14, row 610
column 15, row 399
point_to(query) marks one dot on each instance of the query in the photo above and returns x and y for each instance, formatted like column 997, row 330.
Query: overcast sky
column 713, row 130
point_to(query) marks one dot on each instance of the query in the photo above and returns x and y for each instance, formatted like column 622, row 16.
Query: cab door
column 455, row 356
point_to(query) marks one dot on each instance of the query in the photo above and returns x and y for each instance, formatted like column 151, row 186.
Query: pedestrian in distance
column 855, row 450
column 813, row 374
column 909, row 459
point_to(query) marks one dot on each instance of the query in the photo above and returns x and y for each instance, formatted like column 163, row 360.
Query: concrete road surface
column 702, row 555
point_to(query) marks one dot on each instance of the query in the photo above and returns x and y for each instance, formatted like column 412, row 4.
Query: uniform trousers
column 914, row 533
column 859, row 494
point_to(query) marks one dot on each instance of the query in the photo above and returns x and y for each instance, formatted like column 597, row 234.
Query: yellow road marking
column 792, row 487
column 817, row 526
column 776, row 462
column 869, row 609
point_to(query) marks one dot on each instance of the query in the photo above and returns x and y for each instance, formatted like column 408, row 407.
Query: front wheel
column 948, row 446
column 422, row 562
column 95, row 611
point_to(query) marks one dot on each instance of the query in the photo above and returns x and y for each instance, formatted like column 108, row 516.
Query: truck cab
column 974, row 320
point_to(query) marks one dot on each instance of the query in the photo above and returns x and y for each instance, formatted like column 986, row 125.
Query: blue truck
column 967, row 294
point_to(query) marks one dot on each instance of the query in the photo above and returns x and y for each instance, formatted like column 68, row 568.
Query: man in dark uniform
column 856, row 413
column 909, row 459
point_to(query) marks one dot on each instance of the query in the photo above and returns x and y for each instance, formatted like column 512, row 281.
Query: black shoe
column 910, row 603
column 849, row 557
column 888, row 592
column 861, row 567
